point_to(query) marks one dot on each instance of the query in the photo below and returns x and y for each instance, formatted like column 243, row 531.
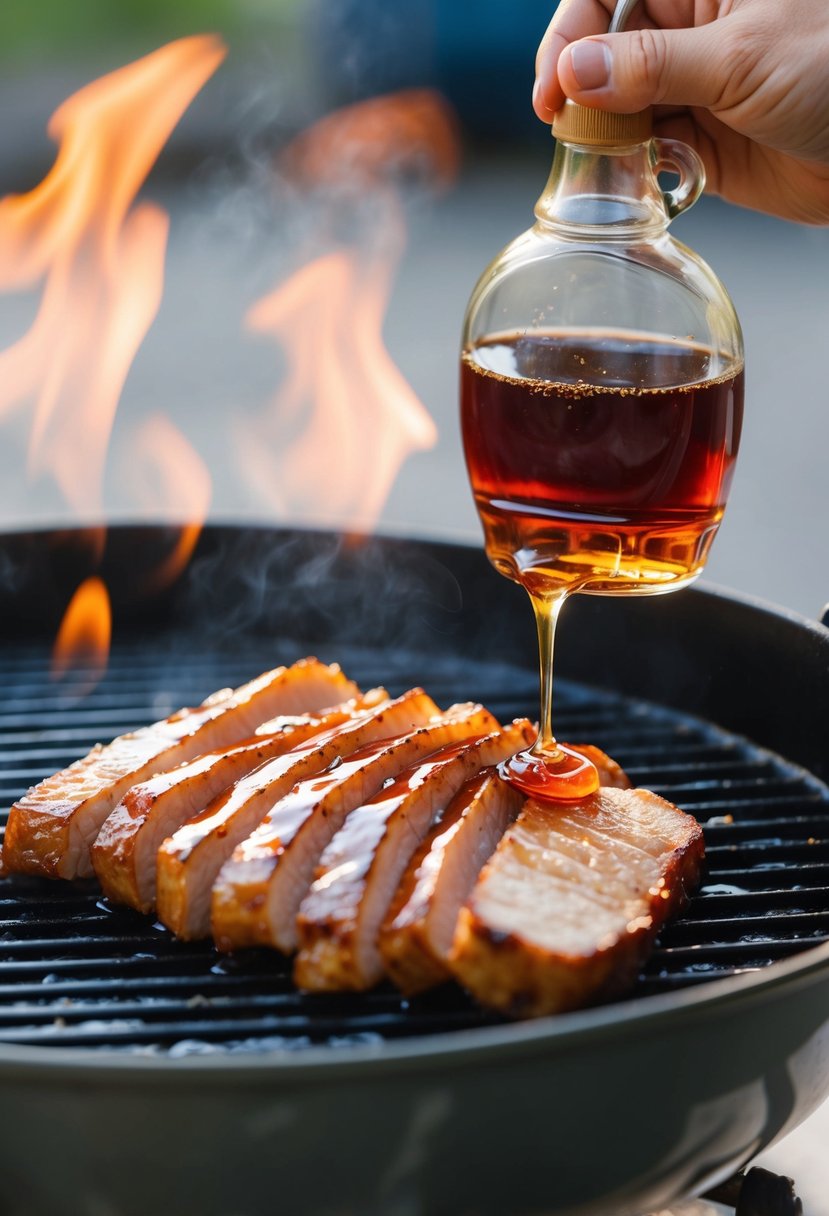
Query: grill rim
column 559, row 1032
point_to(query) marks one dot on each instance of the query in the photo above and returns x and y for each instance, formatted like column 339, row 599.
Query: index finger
column 574, row 19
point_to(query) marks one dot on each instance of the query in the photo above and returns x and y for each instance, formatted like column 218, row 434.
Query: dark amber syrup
column 600, row 463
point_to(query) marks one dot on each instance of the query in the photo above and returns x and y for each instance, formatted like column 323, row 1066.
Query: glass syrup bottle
column 601, row 394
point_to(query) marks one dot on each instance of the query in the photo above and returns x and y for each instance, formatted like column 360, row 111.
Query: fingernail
column 540, row 89
column 591, row 64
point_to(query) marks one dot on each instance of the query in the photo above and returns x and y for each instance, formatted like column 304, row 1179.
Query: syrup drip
column 600, row 463
column 549, row 770
column 564, row 776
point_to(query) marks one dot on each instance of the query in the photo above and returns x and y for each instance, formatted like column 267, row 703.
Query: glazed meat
column 258, row 892
column 567, row 908
column 417, row 936
column 124, row 853
column 50, row 830
column 419, row 929
column 190, row 860
column 340, row 918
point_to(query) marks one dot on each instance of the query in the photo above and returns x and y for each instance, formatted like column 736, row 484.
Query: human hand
column 744, row 82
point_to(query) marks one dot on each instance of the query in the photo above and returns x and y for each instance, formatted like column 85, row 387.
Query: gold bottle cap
column 594, row 128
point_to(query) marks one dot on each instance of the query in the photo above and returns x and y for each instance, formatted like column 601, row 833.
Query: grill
column 64, row 950
column 120, row 1046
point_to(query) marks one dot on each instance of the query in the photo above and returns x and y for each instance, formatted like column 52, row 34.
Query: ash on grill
column 76, row 972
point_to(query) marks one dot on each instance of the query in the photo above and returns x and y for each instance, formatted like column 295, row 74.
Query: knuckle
column 648, row 62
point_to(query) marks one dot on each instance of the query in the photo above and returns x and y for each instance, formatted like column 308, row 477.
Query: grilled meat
column 340, row 918
column 50, row 830
column 417, row 935
column 420, row 926
column 567, row 908
column 190, row 860
column 124, row 853
column 258, row 892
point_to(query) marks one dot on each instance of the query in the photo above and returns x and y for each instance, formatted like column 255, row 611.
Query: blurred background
column 447, row 181
column 284, row 299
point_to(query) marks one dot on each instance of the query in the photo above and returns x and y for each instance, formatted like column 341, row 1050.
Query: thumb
column 627, row 72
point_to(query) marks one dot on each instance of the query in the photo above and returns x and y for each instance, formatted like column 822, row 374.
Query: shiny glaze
column 124, row 853
column 570, row 775
column 51, row 828
column 258, row 892
column 340, row 917
column 417, row 934
column 568, row 906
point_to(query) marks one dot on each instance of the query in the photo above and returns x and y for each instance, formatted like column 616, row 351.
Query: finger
column 628, row 72
column 574, row 19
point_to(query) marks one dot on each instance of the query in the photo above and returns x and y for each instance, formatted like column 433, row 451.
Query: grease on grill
column 76, row 973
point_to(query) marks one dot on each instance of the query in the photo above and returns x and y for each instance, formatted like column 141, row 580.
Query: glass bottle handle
column 673, row 156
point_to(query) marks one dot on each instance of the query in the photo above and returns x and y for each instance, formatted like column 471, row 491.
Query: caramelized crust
column 417, row 936
column 259, row 890
column 418, row 931
column 124, row 854
column 51, row 829
column 340, row 918
column 190, row 860
column 568, row 907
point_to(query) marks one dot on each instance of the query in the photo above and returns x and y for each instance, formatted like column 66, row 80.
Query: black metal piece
column 561, row 1115
column 758, row 1193
column 61, row 945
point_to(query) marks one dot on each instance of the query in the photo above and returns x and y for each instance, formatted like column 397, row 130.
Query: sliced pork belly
column 567, row 908
column 50, row 830
column 341, row 915
column 258, row 892
column 417, row 935
column 190, row 860
column 124, row 853
column 420, row 927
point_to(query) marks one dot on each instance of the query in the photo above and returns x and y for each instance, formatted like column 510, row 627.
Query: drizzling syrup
column 600, row 463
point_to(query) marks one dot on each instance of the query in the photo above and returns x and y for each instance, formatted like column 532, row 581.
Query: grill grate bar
column 76, row 972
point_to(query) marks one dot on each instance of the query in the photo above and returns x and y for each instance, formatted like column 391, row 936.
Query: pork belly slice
column 419, row 929
column 340, row 917
column 418, row 932
column 124, row 853
column 566, row 910
column 190, row 860
column 50, row 830
column 258, row 892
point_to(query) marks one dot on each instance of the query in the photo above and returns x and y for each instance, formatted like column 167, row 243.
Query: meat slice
column 50, row 830
column 566, row 910
column 418, row 932
column 417, row 935
column 190, row 860
column 340, row 917
column 124, row 853
column 258, row 892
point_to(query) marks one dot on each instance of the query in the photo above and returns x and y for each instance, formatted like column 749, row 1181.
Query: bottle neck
column 603, row 193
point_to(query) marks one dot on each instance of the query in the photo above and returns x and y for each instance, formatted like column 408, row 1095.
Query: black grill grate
column 76, row 972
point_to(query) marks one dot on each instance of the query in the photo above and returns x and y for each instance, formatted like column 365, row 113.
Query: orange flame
column 102, row 261
column 165, row 469
column 82, row 644
column 334, row 437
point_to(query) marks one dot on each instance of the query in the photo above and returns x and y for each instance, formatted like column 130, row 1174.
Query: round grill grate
column 76, row 972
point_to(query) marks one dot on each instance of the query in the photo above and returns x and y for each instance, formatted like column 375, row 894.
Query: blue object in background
column 479, row 53
column 485, row 62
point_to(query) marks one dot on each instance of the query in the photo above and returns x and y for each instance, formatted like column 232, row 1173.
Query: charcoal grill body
column 621, row 1109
